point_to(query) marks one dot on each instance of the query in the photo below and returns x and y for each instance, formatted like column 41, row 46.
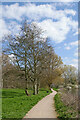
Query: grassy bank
column 64, row 112
column 15, row 104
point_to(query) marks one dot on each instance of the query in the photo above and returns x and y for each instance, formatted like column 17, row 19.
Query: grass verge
column 15, row 104
column 56, row 89
column 64, row 112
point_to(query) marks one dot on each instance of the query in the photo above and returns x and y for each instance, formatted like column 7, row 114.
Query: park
column 29, row 75
column 39, row 61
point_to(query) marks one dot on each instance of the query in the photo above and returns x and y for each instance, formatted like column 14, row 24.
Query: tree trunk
column 26, row 68
column 49, row 85
column 35, row 90
column 65, row 82
column 26, row 84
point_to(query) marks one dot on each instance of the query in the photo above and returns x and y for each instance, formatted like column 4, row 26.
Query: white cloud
column 3, row 28
column 71, row 45
column 71, row 61
column 13, row 11
column 14, row 27
column 67, row 48
column 47, row 14
column 34, row 12
column 72, row 12
column 57, row 31
column 74, row 43
column 56, row 23
column 8, row 28
column 75, row 63
column 12, row 58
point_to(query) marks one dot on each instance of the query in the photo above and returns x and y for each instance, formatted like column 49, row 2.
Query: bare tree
column 25, row 48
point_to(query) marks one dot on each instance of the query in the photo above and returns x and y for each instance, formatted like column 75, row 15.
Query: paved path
column 44, row 108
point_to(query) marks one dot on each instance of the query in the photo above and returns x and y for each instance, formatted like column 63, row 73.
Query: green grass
column 44, row 89
column 64, row 112
column 56, row 89
column 15, row 104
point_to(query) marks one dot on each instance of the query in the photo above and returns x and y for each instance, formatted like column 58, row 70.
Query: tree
column 69, row 74
column 25, row 48
column 12, row 76
column 33, row 54
column 50, row 65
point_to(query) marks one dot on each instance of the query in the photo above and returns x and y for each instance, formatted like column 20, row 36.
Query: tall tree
column 25, row 48
column 50, row 65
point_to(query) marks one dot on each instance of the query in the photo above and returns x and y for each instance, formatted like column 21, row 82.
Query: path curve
column 44, row 108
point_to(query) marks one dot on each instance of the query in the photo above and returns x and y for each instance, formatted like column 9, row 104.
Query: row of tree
column 32, row 53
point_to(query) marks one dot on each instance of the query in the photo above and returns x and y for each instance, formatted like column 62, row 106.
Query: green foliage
column 65, row 112
column 70, row 74
column 15, row 104
column 44, row 89
column 56, row 89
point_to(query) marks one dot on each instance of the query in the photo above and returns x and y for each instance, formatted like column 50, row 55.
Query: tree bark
column 26, row 69
column 35, row 90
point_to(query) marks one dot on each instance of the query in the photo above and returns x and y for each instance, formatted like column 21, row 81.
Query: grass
column 56, row 89
column 15, row 104
column 64, row 112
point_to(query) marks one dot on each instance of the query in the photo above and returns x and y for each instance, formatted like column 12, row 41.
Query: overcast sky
column 58, row 20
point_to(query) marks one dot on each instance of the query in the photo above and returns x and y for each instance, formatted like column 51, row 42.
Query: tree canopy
column 33, row 54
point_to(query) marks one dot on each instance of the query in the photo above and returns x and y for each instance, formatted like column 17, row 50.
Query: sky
column 59, row 21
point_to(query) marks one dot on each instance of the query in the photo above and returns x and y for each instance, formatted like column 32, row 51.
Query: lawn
column 15, row 104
